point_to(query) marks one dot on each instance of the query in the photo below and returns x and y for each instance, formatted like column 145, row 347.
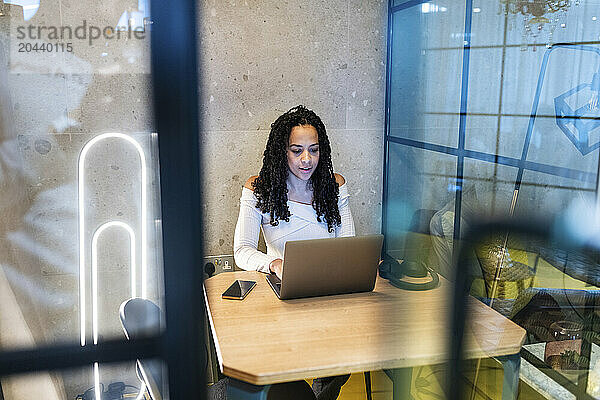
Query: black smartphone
column 238, row 290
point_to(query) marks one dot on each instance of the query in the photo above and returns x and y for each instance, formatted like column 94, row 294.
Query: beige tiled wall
column 260, row 58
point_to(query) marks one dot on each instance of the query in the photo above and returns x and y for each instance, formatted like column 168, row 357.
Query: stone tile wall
column 259, row 59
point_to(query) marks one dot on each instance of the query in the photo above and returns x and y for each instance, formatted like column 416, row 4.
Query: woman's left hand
column 276, row 267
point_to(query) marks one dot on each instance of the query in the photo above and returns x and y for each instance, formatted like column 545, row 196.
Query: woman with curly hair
column 296, row 196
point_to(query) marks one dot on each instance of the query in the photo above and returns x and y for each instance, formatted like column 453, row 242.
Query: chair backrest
column 141, row 318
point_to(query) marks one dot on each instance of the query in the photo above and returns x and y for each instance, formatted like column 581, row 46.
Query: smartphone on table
column 238, row 290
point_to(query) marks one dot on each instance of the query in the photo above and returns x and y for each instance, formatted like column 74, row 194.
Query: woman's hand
column 276, row 266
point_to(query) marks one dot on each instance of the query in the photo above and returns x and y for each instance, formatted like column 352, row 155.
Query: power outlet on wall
column 217, row 264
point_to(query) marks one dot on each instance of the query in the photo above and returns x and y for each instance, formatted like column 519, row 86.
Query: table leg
column 510, row 385
column 402, row 379
column 367, row 385
column 238, row 390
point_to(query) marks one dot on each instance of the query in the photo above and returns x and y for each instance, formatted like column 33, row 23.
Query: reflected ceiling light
column 539, row 16
column 432, row 8
column 429, row 8
column 477, row 10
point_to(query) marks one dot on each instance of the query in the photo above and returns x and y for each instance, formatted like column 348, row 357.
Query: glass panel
column 527, row 96
column 114, row 381
column 424, row 98
column 521, row 72
column 491, row 18
column 484, row 83
column 487, row 24
column 520, row 100
column 399, row 2
column 561, row 95
column 565, row 94
column 80, row 221
column 551, row 291
column 496, row 135
column 488, row 189
column 427, row 185
column 573, row 23
column 553, row 194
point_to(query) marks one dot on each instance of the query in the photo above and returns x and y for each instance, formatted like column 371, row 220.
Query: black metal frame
column 174, row 78
column 174, row 73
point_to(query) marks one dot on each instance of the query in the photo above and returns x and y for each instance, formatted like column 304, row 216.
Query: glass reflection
column 80, row 222
column 127, row 383
column 510, row 119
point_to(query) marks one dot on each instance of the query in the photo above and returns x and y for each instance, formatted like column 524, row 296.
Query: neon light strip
column 82, row 291
column 142, row 391
column 81, row 193
column 97, row 382
column 132, row 264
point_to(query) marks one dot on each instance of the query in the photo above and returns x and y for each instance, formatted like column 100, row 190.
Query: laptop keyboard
column 275, row 283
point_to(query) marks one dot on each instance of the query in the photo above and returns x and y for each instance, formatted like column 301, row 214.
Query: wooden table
column 263, row 340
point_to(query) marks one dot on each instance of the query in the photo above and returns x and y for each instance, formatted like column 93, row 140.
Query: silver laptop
column 321, row 267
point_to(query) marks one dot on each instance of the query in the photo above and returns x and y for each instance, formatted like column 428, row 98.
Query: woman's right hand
column 276, row 266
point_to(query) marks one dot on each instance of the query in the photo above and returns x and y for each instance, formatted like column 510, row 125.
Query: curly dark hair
column 270, row 186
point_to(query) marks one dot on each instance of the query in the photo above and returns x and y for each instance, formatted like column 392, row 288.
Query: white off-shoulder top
column 302, row 225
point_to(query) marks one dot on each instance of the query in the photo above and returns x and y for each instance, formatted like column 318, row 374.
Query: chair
column 141, row 318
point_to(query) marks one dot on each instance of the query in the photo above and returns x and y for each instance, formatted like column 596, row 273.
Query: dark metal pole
column 175, row 84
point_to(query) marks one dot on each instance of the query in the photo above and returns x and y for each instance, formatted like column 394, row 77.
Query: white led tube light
column 120, row 224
